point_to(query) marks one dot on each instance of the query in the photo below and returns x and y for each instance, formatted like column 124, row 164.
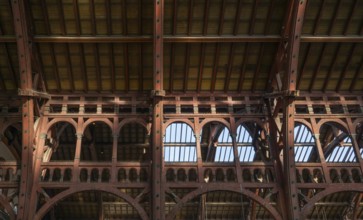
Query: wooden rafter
column 215, row 67
column 205, row 17
column 171, row 69
column 229, row 67
column 186, row 68
column 345, row 69
column 317, row 67
column 221, row 17
column 201, row 67
column 243, row 67
column 331, row 68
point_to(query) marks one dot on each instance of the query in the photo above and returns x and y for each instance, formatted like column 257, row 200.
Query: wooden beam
column 157, row 170
column 186, row 39
column 24, row 40
column 290, row 77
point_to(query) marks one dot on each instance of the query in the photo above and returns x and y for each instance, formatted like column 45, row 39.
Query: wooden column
column 26, row 83
column 158, row 177
column 289, row 85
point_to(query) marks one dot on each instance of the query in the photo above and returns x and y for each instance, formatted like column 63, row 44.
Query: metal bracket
column 157, row 93
column 33, row 93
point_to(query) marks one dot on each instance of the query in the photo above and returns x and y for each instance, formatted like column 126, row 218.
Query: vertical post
column 235, row 150
column 199, row 151
column 26, row 83
column 77, row 154
column 114, row 171
column 291, row 196
column 158, row 192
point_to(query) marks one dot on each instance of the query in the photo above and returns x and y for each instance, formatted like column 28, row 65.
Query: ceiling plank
column 175, row 15
column 126, row 66
column 98, row 69
column 317, row 67
column 139, row 17
column 221, row 18
column 215, row 67
column 237, row 18
column 112, row 67
column 251, row 28
column 344, row 72
column 243, row 67
column 205, row 19
column 61, row 16
column 93, row 17
column 10, row 66
column 327, row 79
column 334, row 18
column 190, row 16
column 186, row 68
column 124, row 18
column 108, row 17
column 171, row 72
column 55, row 67
column 201, row 67
column 76, row 16
column 318, row 18
column 83, row 68
column 229, row 67
column 140, row 68
column 258, row 65
column 358, row 72
column 69, row 68
column 302, row 71
column 269, row 14
column 348, row 22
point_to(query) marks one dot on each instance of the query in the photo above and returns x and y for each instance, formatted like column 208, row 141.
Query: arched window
column 304, row 145
column 179, row 143
column 342, row 152
column 246, row 150
column 336, row 144
column 224, row 151
column 97, row 142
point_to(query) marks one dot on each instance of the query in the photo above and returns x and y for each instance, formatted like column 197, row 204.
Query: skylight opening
column 179, row 143
column 304, row 144
column 245, row 148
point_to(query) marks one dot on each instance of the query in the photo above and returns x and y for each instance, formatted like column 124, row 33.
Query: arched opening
column 10, row 143
column 220, row 205
column 216, row 143
column 336, row 144
column 91, row 205
column 60, row 144
column 304, row 145
column 133, row 143
column 179, row 143
column 340, row 205
column 252, row 144
column 97, row 142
